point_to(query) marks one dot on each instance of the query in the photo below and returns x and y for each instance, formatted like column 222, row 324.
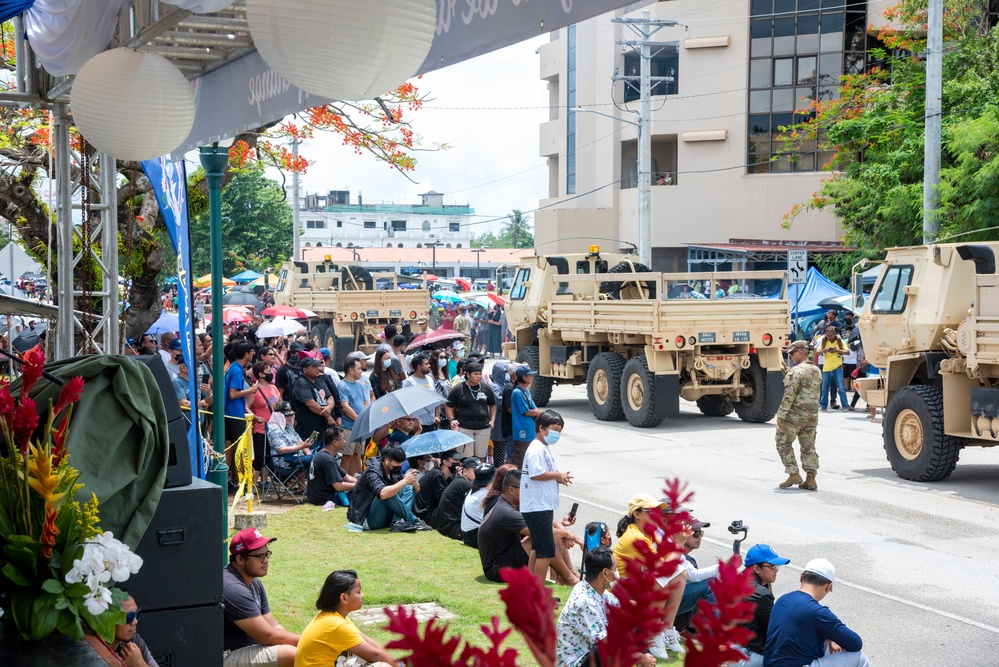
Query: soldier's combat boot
column 792, row 479
column 809, row 483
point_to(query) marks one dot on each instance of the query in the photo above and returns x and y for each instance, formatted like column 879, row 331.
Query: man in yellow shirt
column 833, row 349
column 330, row 638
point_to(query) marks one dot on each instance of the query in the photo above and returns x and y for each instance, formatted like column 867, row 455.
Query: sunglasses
column 131, row 616
column 697, row 533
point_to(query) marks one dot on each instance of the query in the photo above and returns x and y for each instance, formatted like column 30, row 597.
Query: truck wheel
column 541, row 387
column 362, row 279
column 603, row 386
column 638, row 394
column 614, row 290
column 915, row 442
column 318, row 334
column 753, row 408
column 715, row 405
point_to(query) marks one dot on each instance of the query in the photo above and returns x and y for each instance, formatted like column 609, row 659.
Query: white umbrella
column 279, row 328
column 308, row 313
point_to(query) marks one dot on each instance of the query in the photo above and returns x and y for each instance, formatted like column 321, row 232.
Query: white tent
column 14, row 261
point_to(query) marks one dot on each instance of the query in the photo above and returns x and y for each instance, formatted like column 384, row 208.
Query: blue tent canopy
column 816, row 288
column 247, row 276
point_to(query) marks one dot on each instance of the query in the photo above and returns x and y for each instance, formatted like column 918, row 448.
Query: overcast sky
column 493, row 163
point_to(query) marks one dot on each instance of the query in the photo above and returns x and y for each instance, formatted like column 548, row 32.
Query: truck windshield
column 281, row 278
column 519, row 289
column 891, row 296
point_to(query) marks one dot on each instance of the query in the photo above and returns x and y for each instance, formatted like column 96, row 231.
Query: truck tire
column 715, row 405
column 638, row 394
column 603, row 386
column 613, row 290
column 914, row 438
column 362, row 279
column 754, row 408
column 541, row 387
column 318, row 334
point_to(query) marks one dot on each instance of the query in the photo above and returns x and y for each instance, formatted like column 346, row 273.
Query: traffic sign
column 797, row 266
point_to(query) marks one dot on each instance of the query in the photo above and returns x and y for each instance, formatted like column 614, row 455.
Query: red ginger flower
column 431, row 650
column 31, row 369
column 719, row 626
column 24, row 422
column 531, row 610
column 6, row 405
column 69, row 394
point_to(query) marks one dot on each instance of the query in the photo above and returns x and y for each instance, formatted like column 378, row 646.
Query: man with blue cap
column 764, row 563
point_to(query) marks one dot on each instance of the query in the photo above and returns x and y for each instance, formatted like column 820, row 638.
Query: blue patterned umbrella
column 434, row 442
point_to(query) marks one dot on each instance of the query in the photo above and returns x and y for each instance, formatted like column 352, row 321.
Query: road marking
column 865, row 589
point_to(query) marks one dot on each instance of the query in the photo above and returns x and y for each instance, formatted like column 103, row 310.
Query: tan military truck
column 640, row 340
column 353, row 305
column 931, row 329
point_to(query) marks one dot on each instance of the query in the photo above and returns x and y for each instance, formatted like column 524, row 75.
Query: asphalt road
column 916, row 563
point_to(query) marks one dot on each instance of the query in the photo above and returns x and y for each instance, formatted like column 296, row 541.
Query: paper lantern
column 343, row 49
column 132, row 105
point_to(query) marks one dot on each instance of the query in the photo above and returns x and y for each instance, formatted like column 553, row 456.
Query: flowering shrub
column 530, row 609
column 57, row 568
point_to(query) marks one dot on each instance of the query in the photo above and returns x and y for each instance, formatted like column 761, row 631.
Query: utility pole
column 296, row 240
column 645, row 28
column 516, row 220
column 934, row 108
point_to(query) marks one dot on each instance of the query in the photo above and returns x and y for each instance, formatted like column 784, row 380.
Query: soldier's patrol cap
column 798, row 345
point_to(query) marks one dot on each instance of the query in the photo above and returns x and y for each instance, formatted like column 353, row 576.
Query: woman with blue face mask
column 539, row 493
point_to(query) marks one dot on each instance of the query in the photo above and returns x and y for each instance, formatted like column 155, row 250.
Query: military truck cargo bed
column 372, row 306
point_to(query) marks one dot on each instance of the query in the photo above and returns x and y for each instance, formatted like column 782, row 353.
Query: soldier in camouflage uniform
column 798, row 416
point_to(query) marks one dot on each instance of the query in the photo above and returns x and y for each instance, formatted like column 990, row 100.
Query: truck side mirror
column 858, row 290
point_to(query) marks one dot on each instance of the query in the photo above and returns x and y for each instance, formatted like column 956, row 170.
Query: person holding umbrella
column 383, row 496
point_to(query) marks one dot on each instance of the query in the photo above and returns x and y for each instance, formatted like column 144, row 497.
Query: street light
column 433, row 247
column 478, row 256
column 215, row 160
column 644, row 184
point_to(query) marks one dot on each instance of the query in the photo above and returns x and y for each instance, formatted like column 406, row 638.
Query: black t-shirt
column 449, row 508
column 506, row 416
column 764, row 600
column 306, row 421
column 499, row 533
column 471, row 405
column 285, row 377
column 324, row 472
column 425, row 502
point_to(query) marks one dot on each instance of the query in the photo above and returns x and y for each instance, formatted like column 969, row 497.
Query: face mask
column 269, row 377
column 552, row 437
column 428, row 466
column 386, row 363
column 442, row 362
column 461, row 353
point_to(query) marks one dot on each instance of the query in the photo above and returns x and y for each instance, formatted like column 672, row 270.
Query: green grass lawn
column 394, row 568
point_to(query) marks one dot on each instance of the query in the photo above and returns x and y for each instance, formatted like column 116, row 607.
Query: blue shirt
column 523, row 426
column 799, row 626
column 234, row 379
column 356, row 396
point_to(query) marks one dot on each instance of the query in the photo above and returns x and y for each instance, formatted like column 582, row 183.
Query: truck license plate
column 395, row 313
column 740, row 336
column 372, row 314
column 706, row 337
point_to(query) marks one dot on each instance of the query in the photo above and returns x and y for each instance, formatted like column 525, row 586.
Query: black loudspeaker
column 179, row 463
column 181, row 550
column 185, row 637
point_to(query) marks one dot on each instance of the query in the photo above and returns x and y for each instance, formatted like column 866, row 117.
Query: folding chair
column 283, row 480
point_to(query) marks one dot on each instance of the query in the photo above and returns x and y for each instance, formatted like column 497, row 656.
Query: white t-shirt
column 332, row 375
column 538, row 496
column 471, row 511
column 427, row 416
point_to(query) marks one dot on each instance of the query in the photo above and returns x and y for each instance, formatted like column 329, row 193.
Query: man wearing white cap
column 804, row 633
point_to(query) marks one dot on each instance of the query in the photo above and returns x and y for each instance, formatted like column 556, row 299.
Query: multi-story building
column 331, row 220
column 741, row 69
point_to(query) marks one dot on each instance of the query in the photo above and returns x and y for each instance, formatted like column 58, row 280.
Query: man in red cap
column 251, row 634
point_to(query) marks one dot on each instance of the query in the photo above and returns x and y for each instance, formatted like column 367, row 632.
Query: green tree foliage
column 874, row 131
column 256, row 226
column 504, row 239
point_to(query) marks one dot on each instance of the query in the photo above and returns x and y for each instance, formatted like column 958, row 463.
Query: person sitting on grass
column 471, row 511
column 250, row 633
column 453, row 499
column 504, row 540
column 432, row 486
column 384, row 496
column 331, row 638
column 583, row 620
column 327, row 478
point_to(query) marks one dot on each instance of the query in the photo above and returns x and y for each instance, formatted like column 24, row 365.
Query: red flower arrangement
column 530, row 609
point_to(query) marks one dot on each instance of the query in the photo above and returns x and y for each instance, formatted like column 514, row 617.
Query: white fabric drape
column 65, row 34
column 200, row 6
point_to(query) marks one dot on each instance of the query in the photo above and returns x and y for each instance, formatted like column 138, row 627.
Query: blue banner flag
column 169, row 182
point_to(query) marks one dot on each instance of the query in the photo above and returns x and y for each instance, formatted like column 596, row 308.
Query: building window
column 454, row 226
column 315, row 224
column 419, row 245
column 426, row 225
column 339, row 224
column 398, row 225
column 458, row 246
column 339, row 245
column 447, row 245
column 399, row 245
column 665, row 62
column 369, row 224
column 796, row 58
column 570, row 119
